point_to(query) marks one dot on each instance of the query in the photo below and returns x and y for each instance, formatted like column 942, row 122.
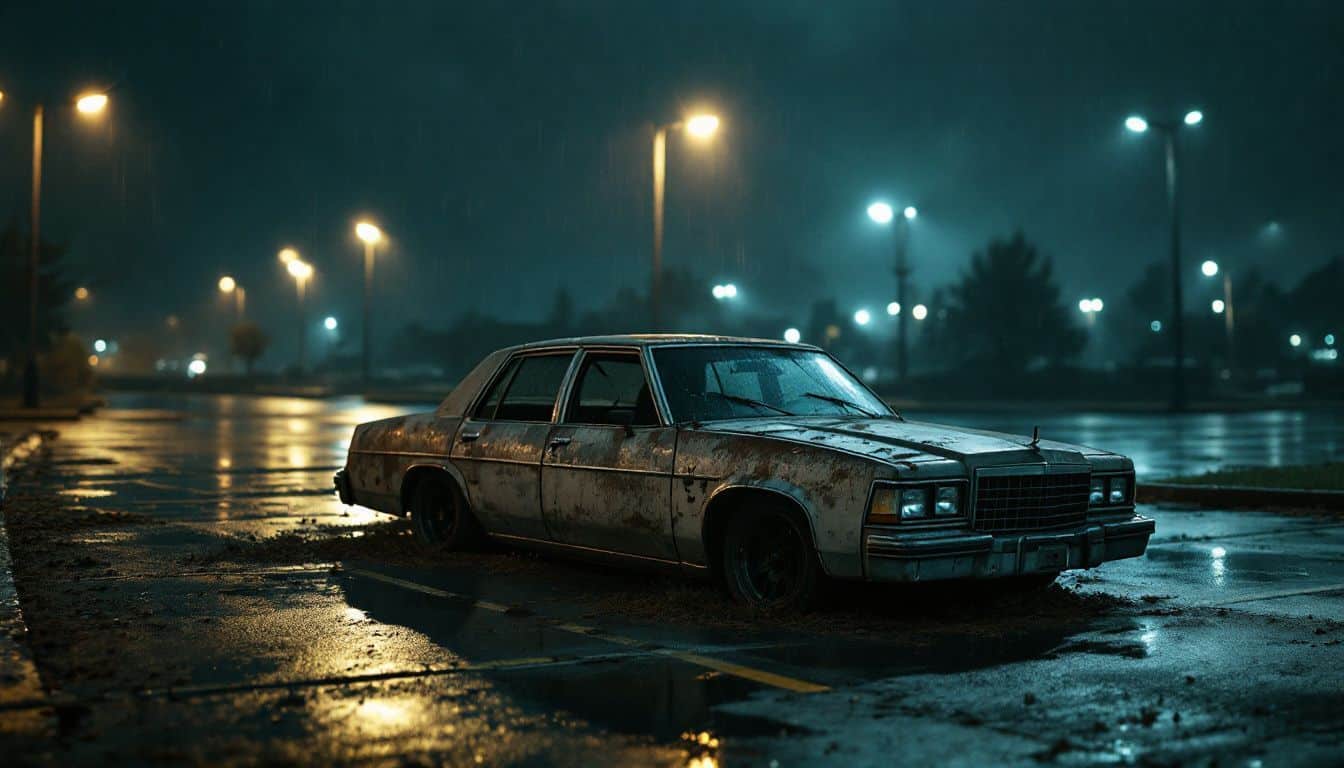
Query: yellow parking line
column 718, row 665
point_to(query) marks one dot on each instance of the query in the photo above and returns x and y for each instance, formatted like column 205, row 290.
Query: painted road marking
column 718, row 665
column 1251, row 598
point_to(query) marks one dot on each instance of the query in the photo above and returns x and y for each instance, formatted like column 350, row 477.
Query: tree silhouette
column 249, row 342
column 54, row 292
column 1005, row 311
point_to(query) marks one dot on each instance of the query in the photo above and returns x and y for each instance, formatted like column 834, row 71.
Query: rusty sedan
column 765, row 464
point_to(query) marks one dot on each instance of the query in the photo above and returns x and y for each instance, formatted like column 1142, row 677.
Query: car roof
column 655, row 340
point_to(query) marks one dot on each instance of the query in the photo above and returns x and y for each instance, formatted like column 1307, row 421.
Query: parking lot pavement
column 193, row 592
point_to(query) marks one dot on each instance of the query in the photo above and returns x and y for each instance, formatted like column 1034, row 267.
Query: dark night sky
column 504, row 147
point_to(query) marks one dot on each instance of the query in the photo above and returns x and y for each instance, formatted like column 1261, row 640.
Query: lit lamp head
column 1136, row 124
column 880, row 213
column 368, row 232
column 1209, row 268
column 227, row 284
column 288, row 256
column 91, row 103
column 300, row 270
column 702, row 126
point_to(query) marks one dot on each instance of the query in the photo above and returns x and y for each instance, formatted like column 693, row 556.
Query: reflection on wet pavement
column 159, row 609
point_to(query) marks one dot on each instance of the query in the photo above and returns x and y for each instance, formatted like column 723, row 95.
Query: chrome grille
column 1031, row 502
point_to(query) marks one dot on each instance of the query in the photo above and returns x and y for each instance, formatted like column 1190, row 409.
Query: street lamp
column 863, row 317
column 919, row 312
column 87, row 104
column 1170, row 130
column 882, row 214
column 228, row 286
column 302, row 272
column 371, row 235
column 1225, row 308
column 724, row 291
column 701, row 126
column 792, row 335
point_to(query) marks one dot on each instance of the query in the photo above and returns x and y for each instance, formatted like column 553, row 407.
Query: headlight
column 1118, row 486
column 914, row 503
column 948, row 501
column 1097, row 491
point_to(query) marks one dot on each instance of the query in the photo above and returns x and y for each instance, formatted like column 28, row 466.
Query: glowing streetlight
column 81, row 294
column 91, row 103
column 371, row 235
column 700, row 126
column 1295, row 340
column 227, row 284
column 1136, row 124
column 88, row 104
column 100, row 346
column 882, row 213
column 330, row 323
column 1217, row 306
column 1170, row 130
column 1329, row 339
column 863, row 317
column 724, row 291
column 1224, row 305
column 302, row 272
column 1155, row 326
column 287, row 255
column 919, row 312
column 792, row 335
column 1209, row 268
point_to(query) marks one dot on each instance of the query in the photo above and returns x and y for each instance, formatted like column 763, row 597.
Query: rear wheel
column 440, row 517
column 768, row 560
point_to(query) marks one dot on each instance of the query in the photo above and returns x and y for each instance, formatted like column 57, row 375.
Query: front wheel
column 768, row 561
column 440, row 517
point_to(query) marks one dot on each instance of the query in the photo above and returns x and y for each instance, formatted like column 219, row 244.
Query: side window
column 611, row 389
column 486, row 410
column 532, row 391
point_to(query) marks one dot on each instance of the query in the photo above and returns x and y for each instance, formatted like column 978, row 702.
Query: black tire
column 440, row 517
column 769, row 561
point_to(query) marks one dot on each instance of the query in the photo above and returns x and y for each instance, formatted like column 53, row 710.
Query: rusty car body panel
column 648, row 492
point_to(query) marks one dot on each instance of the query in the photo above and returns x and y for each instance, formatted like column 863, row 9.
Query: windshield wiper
column 751, row 401
column 840, row 401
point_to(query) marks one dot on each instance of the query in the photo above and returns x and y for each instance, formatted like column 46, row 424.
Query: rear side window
column 486, row 410
column 531, row 392
column 611, row 389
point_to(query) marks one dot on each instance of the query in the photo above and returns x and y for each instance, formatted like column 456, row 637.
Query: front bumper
column 343, row 490
column 929, row 556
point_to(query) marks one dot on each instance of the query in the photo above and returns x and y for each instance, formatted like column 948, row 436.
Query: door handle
column 467, row 437
column 557, row 442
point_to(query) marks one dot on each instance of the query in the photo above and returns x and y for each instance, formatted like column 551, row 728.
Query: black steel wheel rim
column 438, row 516
column 770, row 561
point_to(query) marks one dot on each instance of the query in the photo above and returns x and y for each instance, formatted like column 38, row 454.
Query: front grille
column 1006, row 503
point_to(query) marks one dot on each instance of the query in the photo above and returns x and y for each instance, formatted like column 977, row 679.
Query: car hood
column 907, row 442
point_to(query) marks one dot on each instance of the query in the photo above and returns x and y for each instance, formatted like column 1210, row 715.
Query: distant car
column 765, row 464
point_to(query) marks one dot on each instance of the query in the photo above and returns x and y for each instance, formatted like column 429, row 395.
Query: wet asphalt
column 171, row 625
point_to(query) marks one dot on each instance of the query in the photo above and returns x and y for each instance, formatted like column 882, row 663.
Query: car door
column 606, row 474
column 499, row 445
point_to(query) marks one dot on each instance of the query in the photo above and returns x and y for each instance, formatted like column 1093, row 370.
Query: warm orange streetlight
column 81, row 294
column 701, row 126
column 371, row 235
column 227, row 284
column 91, row 103
column 287, row 255
column 302, row 272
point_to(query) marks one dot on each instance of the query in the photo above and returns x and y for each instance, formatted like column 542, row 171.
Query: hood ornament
column 1035, row 443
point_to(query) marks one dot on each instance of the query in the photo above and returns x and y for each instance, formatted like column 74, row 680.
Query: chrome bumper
column 929, row 556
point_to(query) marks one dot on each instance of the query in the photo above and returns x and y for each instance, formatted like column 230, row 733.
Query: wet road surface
column 195, row 593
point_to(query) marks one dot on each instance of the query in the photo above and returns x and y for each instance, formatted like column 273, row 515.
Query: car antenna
column 1035, row 437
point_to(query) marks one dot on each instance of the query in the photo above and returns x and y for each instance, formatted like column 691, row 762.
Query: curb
column 22, row 696
column 1238, row 496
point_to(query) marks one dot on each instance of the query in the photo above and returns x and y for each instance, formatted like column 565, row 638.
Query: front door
column 499, row 446
column 606, row 477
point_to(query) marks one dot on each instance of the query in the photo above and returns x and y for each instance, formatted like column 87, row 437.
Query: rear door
column 499, row 445
column 606, row 477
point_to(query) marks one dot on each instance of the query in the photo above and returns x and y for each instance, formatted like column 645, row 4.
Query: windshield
column 708, row 383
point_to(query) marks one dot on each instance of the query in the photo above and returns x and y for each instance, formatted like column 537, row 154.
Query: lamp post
column 701, row 127
column 1170, row 131
column 882, row 213
column 88, row 105
column 371, row 235
column 302, row 272
column 1225, row 308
